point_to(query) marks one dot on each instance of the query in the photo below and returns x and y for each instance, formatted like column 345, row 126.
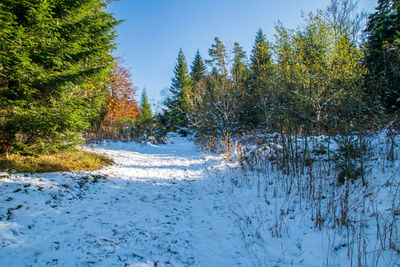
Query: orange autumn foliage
column 121, row 102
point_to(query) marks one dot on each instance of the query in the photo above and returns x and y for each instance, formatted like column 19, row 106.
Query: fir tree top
column 198, row 68
column 181, row 90
column 145, row 106
column 239, row 70
column 260, row 59
column 181, row 78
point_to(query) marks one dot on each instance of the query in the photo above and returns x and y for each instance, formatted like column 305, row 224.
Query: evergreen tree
column 240, row 74
column 218, row 61
column 239, row 68
column 261, row 60
column 383, row 53
column 199, row 69
column 145, row 122
column 261, row 81
column 54, row 55
column 145, row 116
column 179, row 101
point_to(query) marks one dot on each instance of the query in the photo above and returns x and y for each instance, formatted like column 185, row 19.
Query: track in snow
column 157, row 207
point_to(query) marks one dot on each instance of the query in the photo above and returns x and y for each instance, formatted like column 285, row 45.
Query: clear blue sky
column 154, row 30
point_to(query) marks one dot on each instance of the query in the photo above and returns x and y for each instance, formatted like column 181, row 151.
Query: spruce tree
column 145, row 122
column 240, row 74
column 261, row 60
column 198, row 68
column 239, row 69
column 383, row 53
column 260, row 83
column 145, row 115
column 179, row 101
column 54, row 55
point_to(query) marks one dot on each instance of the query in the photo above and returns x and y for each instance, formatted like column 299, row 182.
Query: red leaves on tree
column 121, row 101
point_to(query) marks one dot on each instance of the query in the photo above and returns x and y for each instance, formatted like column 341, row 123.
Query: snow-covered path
column 157, row 206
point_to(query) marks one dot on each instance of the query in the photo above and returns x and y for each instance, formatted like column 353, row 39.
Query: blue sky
column 153, row 31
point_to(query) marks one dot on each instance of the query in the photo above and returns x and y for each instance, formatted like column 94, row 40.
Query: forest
column 312, row 112
column 59, row 81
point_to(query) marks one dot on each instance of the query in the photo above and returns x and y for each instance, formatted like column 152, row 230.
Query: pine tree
column 199, row 69
column 179, row 101
column 218, row 61
column 54, row 55
column 383, row 53
column 261, row 81
column 240, row 75
column 145, row 115
column 261, row 61
column 145, row 122
column 239, row 68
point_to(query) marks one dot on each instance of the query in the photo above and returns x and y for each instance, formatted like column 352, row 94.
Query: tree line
column 58, row 78
column 331, row 76
column 323, row 77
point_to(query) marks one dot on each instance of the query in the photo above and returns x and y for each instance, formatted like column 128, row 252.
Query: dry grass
column 71, row 160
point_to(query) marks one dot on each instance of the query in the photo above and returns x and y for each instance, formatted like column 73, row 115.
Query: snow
column 173, row 205
column 156, row 206
column 279, row 218
column 4, row 175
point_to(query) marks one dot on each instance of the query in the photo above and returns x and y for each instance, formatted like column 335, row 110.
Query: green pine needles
column 180, row 94
column 54, row 57
column 145, row 117
column 199, row 69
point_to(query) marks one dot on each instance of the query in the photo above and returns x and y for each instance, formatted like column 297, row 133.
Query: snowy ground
column 156, row 206
column 172, row 205
column 309, row 219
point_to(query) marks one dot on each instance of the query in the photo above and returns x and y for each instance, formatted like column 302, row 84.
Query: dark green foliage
column 240, row 71
column 260, row 81
column 240, row 75
column 54, row 56
column 260, row 60
column 347, row 158
column 199, row 69
column 179, row 99
column 383, row 54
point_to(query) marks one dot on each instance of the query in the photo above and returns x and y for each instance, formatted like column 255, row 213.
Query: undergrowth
column 345, row 190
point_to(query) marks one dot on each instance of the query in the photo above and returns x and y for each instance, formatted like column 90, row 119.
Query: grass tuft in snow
column 70, row 160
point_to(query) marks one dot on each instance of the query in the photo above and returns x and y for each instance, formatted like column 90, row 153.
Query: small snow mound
column 4, row 175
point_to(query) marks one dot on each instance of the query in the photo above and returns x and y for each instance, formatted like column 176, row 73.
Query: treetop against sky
column 153, row 31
